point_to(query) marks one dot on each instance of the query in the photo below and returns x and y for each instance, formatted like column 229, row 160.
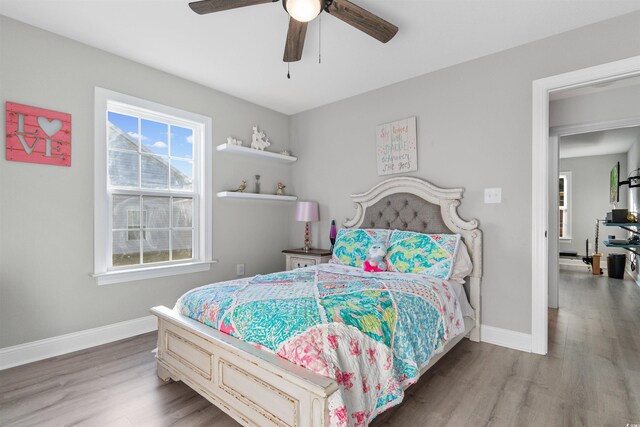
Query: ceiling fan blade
column 209, row 6
column 363, row 20
column 295, row 41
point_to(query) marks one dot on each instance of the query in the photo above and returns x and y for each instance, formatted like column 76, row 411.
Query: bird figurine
column 241, row 187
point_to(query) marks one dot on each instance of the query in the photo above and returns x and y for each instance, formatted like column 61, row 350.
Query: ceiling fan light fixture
column 303, row 10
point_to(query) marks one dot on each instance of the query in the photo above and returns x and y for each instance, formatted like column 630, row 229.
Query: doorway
column 540, row 180
column 581, row 158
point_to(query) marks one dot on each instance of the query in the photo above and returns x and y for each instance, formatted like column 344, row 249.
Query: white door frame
column 553, row 236
column 540, row 180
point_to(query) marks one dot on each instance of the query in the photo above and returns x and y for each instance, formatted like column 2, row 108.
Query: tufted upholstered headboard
column 406, row 203
column 405, row 211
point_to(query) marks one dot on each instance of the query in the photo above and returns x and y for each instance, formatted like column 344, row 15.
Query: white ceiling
column 612, row 141
column 240, row 51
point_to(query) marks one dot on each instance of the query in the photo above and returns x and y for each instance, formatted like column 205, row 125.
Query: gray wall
column 590, row 200
column 46, row 212
column 474, row 131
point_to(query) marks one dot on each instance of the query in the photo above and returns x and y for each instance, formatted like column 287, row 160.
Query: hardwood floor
column 590, row 377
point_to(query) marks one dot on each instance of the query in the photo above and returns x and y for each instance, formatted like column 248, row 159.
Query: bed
column 260, row 385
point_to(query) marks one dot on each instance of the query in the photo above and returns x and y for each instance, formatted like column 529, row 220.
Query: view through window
column 151, row 187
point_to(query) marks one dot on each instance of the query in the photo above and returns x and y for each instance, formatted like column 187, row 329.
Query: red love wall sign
column 36, row 135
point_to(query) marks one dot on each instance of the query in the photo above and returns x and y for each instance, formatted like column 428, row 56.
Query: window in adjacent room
column 564, row 204
column 152, row 189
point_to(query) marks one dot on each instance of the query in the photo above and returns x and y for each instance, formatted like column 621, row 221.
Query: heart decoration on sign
column 50, row 127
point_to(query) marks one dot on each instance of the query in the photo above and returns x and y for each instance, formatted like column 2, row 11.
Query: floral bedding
column 370, row 332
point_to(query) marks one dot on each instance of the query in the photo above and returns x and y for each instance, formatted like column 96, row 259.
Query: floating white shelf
column 252, row 152
column 254, row 196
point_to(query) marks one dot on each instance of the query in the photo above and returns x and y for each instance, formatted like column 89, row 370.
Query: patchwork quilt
column 370, row 332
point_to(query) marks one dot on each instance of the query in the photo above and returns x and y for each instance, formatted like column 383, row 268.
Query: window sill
column 121, row 276
column 565, row 239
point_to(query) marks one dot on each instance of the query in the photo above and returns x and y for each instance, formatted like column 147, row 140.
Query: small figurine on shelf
column 258, row 140
column 233, row 141
column 257, row 184
column 285, row 153
column 241, row 187
column 280, row 189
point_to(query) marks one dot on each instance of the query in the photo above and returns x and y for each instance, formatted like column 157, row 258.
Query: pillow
column 462, row 265
column 352, row 245
column 428, row 254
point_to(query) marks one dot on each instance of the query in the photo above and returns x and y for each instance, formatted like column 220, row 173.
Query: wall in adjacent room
column 590, row 200
column 474, row 131
column 46, row 212
column 633, row 163
column 613, row 104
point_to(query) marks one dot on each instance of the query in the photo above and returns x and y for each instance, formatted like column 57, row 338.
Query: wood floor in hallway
column 590, row 377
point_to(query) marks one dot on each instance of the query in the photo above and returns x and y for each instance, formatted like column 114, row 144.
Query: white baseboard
column 50, row 347
column 506, row 338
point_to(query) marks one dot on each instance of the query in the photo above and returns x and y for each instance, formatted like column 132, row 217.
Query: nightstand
column 298, row 258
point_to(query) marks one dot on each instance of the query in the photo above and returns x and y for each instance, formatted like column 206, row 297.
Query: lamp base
column 307, row 237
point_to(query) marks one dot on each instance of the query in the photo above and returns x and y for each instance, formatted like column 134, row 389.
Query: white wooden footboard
column 253, row 386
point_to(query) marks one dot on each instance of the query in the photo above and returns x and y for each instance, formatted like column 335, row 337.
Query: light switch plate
column 240, row 269
column 493, row 195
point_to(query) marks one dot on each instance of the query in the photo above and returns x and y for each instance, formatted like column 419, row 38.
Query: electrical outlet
column 240, row 269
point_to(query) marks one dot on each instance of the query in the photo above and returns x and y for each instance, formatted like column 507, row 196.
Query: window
column 152, row 185
column 564, row 204
column 133, row 223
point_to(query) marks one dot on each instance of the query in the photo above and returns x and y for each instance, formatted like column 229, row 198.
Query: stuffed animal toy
column 375, row 259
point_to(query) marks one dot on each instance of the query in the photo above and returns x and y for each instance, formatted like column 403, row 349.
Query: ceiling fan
column 302, row 11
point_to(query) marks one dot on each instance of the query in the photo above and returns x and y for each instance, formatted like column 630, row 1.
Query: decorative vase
column 257, row 184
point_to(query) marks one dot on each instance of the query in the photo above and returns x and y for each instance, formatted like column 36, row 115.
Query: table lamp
column 307, row 212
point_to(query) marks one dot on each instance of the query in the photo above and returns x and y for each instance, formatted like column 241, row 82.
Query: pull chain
column 320, row 39
column 288, row 74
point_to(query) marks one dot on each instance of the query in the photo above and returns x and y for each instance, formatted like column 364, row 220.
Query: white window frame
column 202, row 171
column 567, row 208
